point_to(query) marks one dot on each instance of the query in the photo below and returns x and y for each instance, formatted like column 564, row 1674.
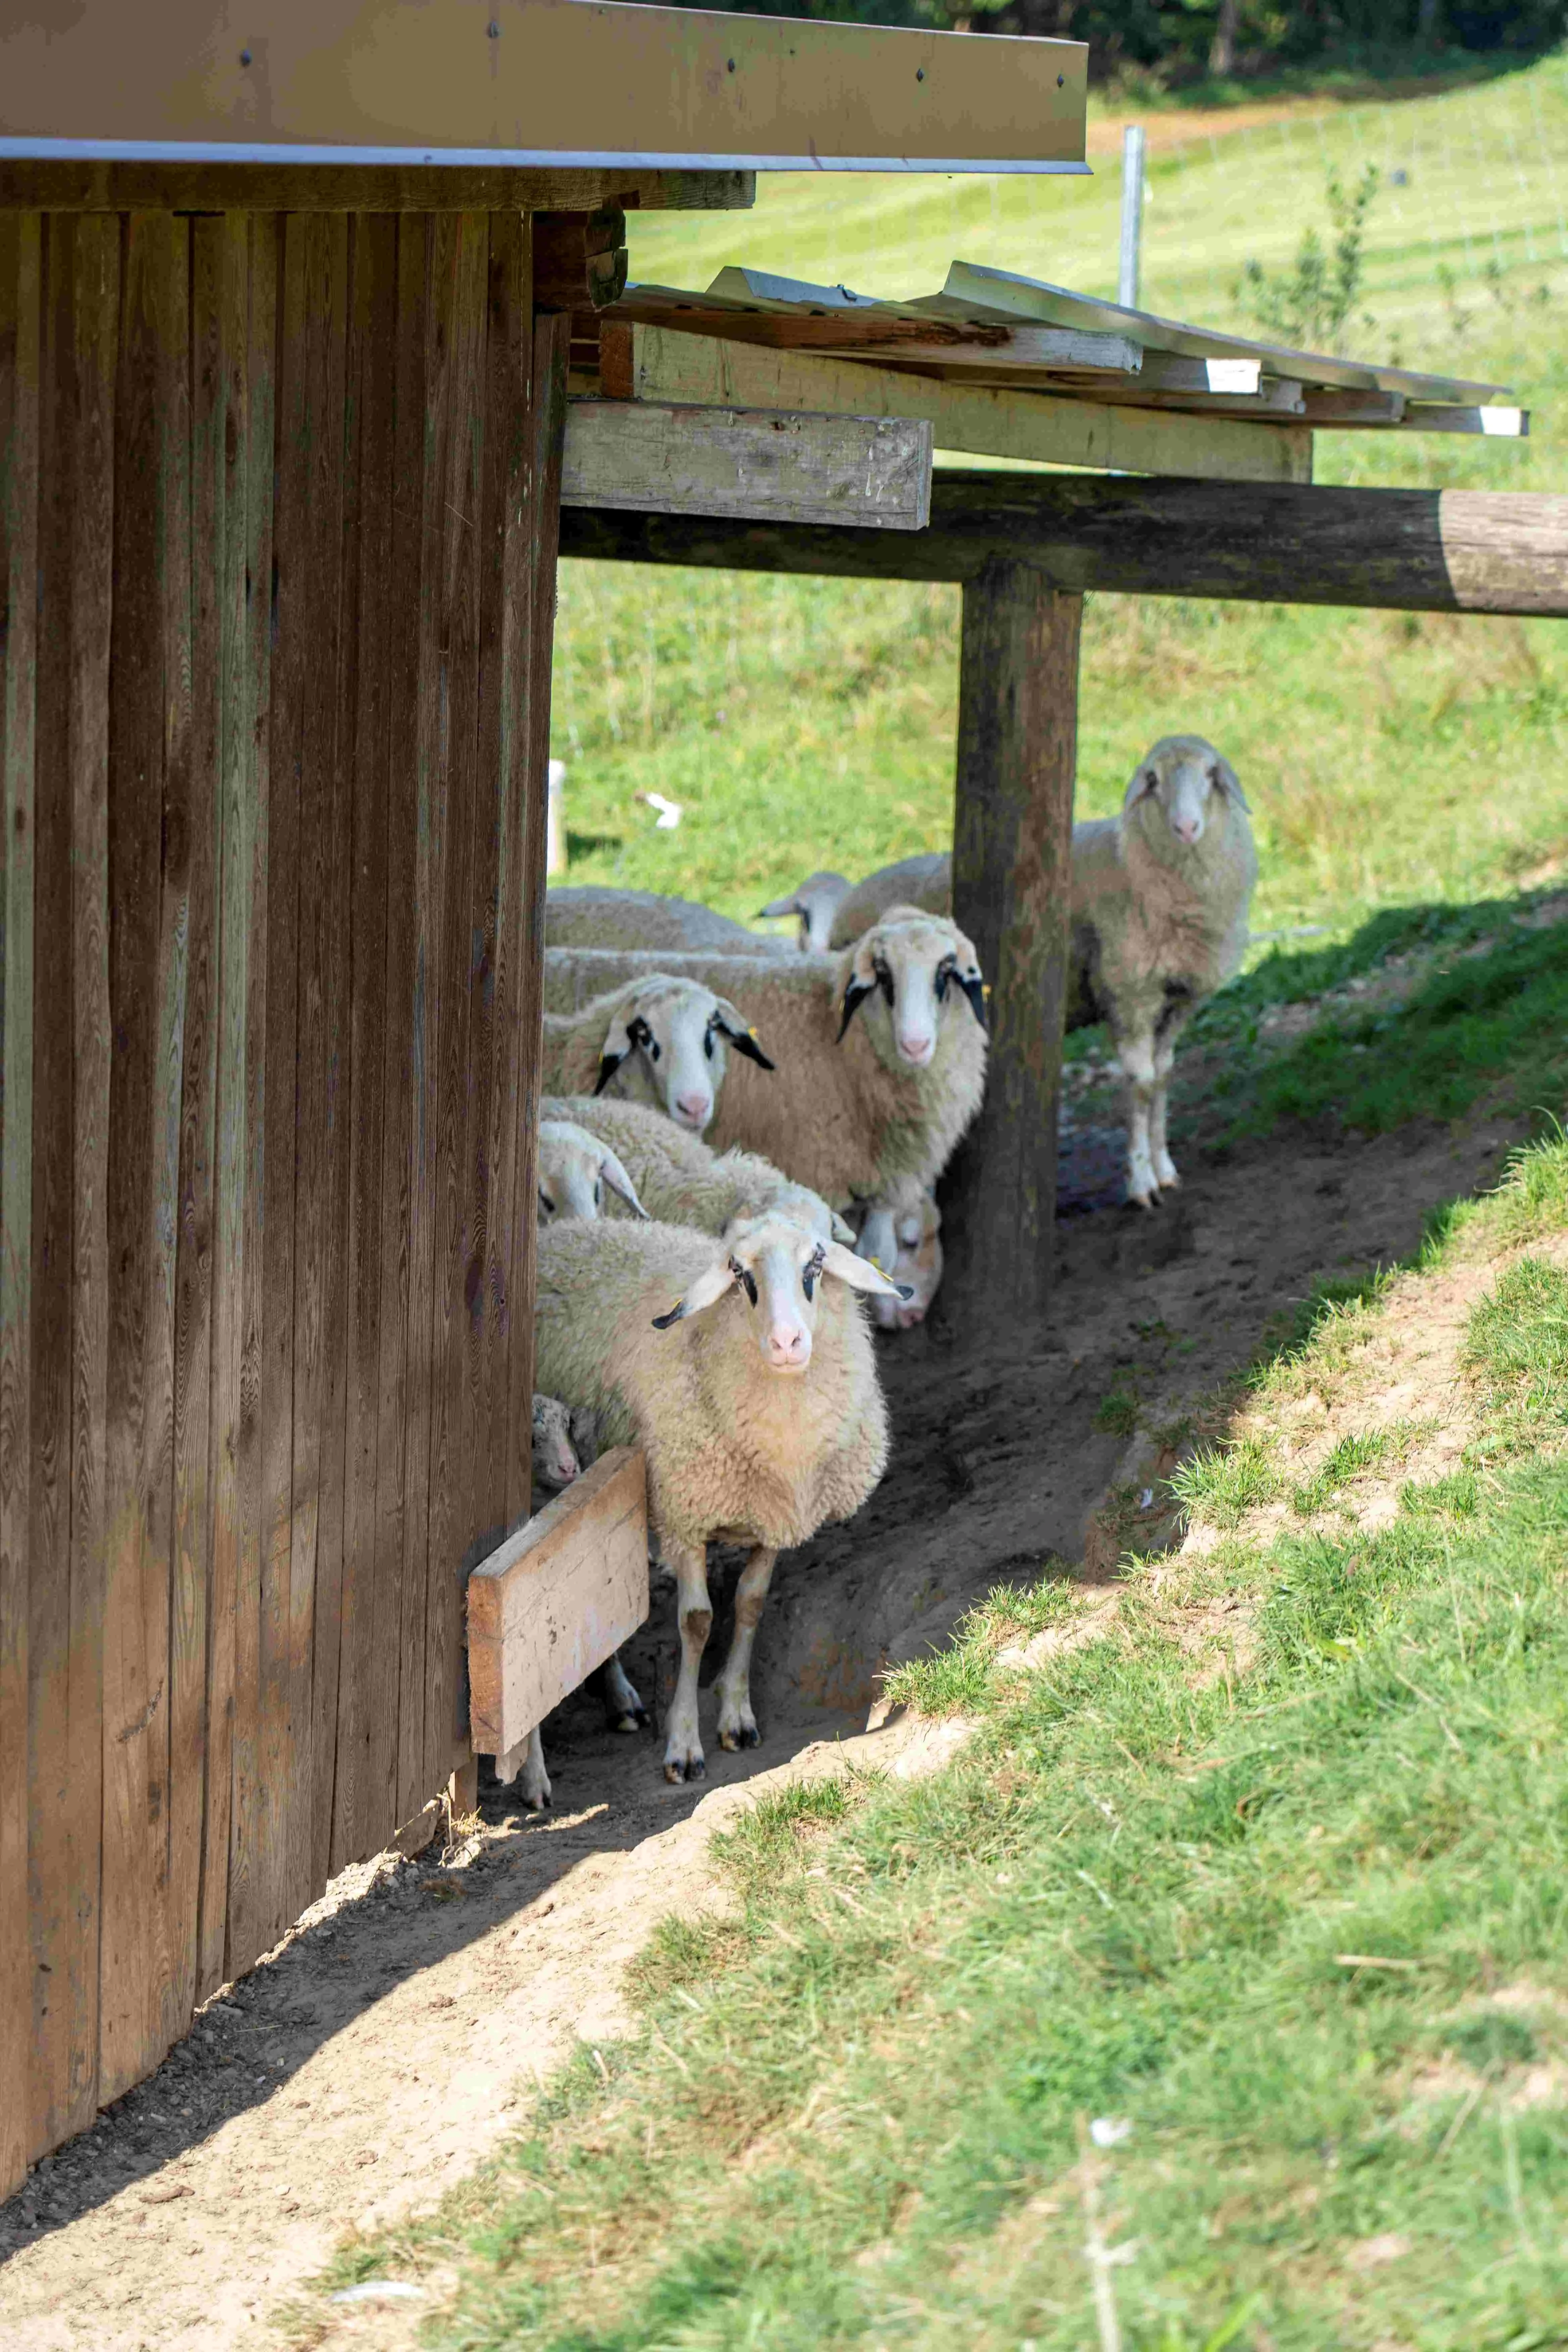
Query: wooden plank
column 696, row 371
column 579, row 259
column 21, row 298
column 364, row 1717
column 192, row 1738
column 548, row 434
column 1012, row 854
column 221, row 293
column 312, row 604
column 556, row 1600
column 818, row 319
column 871, row 471
column 101, row 184
column 1412, row 551
column 456, row 1273
column 1496, row 423
column 251, row 1906
column 143, row 1102
column 93, row 329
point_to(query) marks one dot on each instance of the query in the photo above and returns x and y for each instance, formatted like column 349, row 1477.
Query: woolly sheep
column 814, row 906
column 924, row 881
column 882, row 1062
column 744, row 1370
column 904, row 1237
column 597, row 917
column 678, row 1178
column 651, row 1038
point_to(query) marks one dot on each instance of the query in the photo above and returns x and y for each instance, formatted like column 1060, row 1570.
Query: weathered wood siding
column 278, row 523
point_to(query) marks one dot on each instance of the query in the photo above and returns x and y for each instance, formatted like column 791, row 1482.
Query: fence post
column 1132, row 215
column 1012, row 860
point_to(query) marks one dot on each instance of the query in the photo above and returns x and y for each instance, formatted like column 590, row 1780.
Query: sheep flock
column 738, row 1144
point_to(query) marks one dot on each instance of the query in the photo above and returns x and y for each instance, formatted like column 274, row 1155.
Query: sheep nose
column 917, row 1047
column 788, row 1346
column 909, row 1316
column 694, row 1109
column 1187, row 829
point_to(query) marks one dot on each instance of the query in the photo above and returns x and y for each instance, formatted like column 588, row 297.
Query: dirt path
column 382, row 2051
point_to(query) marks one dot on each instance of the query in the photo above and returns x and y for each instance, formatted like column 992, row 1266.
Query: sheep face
column 768, row 1268
column 1183, row 776
column 574, row 1169
column 667, row 1043
column 814, row 905
column 555, row 1462
column 918, row 964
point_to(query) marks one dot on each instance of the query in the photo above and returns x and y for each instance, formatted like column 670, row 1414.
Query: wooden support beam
column 1011, row 859
column 871, row 471
column 1399, row 551
column 579, row 259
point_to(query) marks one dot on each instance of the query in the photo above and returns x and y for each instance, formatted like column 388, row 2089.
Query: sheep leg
column 527, row 1758
column 624, row 1709
column 1165, row 1172
column 683, row 1746
column 737, row 1724
column 1137, row 1058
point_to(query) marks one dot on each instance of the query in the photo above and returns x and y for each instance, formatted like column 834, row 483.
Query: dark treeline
column 1173, row 42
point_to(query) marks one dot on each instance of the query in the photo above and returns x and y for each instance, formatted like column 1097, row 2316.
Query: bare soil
column 383, row 2049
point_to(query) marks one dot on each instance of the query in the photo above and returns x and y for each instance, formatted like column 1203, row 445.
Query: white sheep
column 663, row 1171
column 565, row 1446
column 814, row 906
column 903, row 1236
column 924, row 881
column 744, row 1370
column 1160, row 901
column 882, row 1053
column 651, row 1038
column 595, row 916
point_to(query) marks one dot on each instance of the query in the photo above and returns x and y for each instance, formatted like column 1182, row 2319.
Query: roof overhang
column 565, row 83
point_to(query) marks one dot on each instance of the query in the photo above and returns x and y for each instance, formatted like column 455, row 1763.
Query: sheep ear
column 788, row 905
column 616, row 1176
column 617, row 1046
column 843, row 1231
column 709, row 1288
column 1224, row 778
column 860, row 1274
column 855, row 994
column 740, row 1034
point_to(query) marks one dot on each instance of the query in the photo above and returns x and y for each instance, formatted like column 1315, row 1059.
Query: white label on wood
column 556, row 1600
column 873, row 471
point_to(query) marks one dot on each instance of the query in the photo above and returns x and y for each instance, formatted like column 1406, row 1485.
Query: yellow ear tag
column 751, row 1033
column 986, row 990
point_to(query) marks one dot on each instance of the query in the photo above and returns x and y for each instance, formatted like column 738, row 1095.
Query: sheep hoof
column 1168, row 1179
column 689, row 1767
column 637, row 1722
column 743, row 1735
column 537, row 1800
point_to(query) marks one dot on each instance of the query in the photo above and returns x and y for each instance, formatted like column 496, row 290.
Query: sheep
column 1160, row 901
column 904, row 1238
column 883, row 1061
column 814, row 905
column 597, row 917
column 565, row 1446
column 654, row 1038
column 744, row 1370
column 924, row 881
column 685, row 1183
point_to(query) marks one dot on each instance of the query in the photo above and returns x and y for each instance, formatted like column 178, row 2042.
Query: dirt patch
column 382, row 2051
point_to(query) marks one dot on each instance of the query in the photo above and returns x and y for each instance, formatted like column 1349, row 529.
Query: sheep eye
column 707, row 1043
column 598, row 1191
column 743, row 1275
column 813, row 1268
column 547, row 1205
column 884, row 979
column 946, row 970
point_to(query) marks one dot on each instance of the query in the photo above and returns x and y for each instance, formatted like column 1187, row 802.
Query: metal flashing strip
column 209, row 151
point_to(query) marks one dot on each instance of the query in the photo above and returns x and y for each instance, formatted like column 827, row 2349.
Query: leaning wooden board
column 556, row 1600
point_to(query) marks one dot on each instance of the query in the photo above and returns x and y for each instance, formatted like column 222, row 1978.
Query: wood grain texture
column 1017, row 754
column 1412, row 551
column 97, row 185
column 21, row 301
column 557, row 1599
column 874, row 472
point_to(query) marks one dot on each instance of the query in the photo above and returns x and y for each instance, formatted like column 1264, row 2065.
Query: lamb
column 684, row 1183
column 1160, row 904
column 596, row 916
column 882, row 1048
column 743, row 1368
column 654, row 1038
column 814, row 905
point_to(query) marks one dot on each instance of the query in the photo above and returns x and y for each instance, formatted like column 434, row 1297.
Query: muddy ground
column 382, row 2049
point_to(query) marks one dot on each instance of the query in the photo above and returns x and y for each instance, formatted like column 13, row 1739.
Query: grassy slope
column 856, row 2113
column 1389, row 758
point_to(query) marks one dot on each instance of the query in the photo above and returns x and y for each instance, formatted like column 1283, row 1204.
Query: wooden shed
column 285, row 314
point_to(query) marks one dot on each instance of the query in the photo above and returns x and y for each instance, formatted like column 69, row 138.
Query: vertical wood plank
column 1012, row 864
column 310, row 587
column 193, row 1735
column 364, row 1689
column 94, row 317
column 222, row 295
column 453, row 525
column 251, row 1901
column 552, row 343
column 147, row 820
column 21, row 294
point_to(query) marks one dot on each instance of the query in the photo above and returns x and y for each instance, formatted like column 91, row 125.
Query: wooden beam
column 1012, row 860
column 79, row 183
column 699, row 371
column 1399, row 551
column 557, row 1599
column 870, row 471
column 579, row 259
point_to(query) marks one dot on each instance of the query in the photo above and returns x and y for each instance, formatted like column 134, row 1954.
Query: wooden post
column 1018, row 750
